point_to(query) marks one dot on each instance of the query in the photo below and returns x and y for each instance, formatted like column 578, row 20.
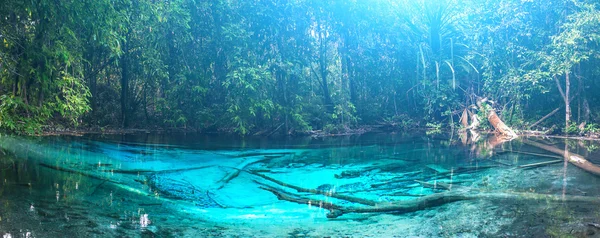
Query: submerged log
column 535, row 165
column 73, row 171
column 236, row 171
column 318, row 192
column 531, row 153
column 285, row 196
column 266, row 154
column 146, row 171
column 573, row 158
column 438, row 199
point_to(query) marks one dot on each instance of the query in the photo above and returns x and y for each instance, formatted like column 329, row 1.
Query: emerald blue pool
column 193, row 185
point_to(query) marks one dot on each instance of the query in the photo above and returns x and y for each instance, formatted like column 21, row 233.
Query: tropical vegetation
column 292, row 66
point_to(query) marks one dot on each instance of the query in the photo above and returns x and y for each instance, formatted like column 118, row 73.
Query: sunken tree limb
column 319, row 192
column 573, row 158
column 236, row 171
column 433, row 200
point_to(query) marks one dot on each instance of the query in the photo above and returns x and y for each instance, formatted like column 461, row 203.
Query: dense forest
column 291, row 66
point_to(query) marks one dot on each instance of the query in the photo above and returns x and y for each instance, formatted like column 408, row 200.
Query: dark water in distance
column 191, row 185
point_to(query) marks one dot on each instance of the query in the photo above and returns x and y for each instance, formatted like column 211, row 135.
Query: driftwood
column 573, row 158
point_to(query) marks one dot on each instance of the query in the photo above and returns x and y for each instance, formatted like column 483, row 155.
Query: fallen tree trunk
column 285, row 196
column 145, row 171
column 535, row 165
column 68, row 170
column 573, row 158
column 545, row 117
column 531, row 153
column 501, row 128
column 435, row 200
column 319, row 192
column 236, row 171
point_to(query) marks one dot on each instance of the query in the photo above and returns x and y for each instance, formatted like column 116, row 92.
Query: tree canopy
column 294, row 65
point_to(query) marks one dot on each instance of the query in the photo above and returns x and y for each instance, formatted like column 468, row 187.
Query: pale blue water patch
column 202, row 185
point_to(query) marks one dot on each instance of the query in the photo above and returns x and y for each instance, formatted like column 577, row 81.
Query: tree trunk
column 545, row 117
column 124, row 85
column 573, row 158
column 433, row 200
column 499, row 125
column 501, row 128
column 567, row 101
column 171, row 68
column 324, row 73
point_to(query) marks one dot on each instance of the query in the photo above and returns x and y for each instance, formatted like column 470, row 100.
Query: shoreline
column 313, row 133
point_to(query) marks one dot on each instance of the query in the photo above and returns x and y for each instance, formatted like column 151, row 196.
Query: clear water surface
column 154, row 185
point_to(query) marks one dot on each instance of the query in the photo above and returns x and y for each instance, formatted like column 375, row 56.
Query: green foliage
column 73, row 101
column 402, row 122
column 591, row 128
column 20, row 117
column 433, row 128
column 249, row 66
column 592, row 147
column 335, row 129
column 17, row 116
column 572, row 129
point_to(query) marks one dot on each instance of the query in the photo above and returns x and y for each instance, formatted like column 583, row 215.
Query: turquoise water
column 154, row 185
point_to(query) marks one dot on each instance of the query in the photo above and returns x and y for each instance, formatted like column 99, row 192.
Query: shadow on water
column 206, row 185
